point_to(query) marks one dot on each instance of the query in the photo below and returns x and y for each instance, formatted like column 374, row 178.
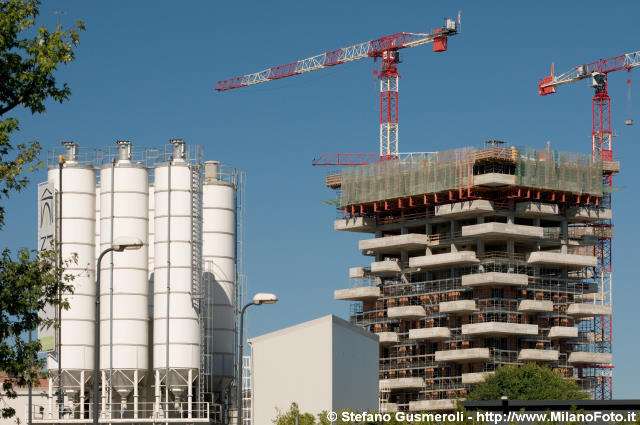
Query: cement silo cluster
column 167, row 310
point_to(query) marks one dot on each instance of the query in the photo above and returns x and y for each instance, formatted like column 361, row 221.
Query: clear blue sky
column 145, row 72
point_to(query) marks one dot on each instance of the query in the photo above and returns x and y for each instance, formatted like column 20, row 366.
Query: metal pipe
column 29, row 414
column 112, row 212
column 135, row 394
column 96, row 351
column 166, row 378
column 60, row 380
column 239, row 367
column 82, row 394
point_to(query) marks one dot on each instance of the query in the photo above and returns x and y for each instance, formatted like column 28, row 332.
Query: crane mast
column 601, row 149
column 387, row 49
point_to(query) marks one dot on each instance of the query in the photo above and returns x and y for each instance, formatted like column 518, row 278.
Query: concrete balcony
column 495, row 279
column 533, row 355
column 459, row 307
column 385, row 268
column 492, row 231
column 363, row 293
column 499, row 329
column 494, row 180
column 355, row 224
column 547, row 258
column 394, row 244
column 388, row 407
column 466, row 355
column 459, row 258
column 580, row 357
column 409, row 312
column 562, row 332
column 535, row 209
column 431, row 334
column 462, row 209
column 355, row 272
column 595, row 296
column 474, row 378
column 432, row 405
column 588, row 214
column 387, row 338
column 535, row 306
column 588, row 310
column 402, row 383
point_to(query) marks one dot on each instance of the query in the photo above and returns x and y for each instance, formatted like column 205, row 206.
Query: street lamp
column 119, row 245
column 258, row 299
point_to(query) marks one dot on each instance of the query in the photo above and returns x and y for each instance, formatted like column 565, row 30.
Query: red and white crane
column 385, row 48
column 601, row 148
column 601, row 135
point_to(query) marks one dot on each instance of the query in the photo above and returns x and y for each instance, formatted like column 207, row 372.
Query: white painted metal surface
column 126, row 186
column 172, row 271
column 78, row 231
column 219, row 258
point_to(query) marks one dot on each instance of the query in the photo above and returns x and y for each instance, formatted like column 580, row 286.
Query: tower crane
column 387, row 49
column 601, row 135
column 602, row 149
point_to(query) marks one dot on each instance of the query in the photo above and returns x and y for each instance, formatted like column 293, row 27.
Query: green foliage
column 28, row 60
column 289, row 417
column 29, row 57
column 526, row 382
column 27, row 284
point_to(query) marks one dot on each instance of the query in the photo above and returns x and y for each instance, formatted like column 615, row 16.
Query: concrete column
column 404, row 256
column 564, row 234
column 404, row 230
column 510, row 218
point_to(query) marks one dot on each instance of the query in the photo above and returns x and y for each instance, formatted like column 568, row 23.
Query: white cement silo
column 176, row 342
column 219, row 259
column 124, row 286
column 77, row 237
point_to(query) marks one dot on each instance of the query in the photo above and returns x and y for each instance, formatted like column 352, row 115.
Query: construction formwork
column 481, row 258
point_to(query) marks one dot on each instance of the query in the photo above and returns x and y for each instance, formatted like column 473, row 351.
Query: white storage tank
column 124, row 286
column 219, row 259
column 176, row 344
column 78, row 232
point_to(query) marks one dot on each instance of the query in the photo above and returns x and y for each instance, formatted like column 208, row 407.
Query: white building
column 324, row 364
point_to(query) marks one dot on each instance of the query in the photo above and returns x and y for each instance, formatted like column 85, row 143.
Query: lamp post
column 258, row 299
column 119, row 245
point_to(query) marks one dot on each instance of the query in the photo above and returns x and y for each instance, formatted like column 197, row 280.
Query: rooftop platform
column 588, row 214
column 494, row 180
column 494, row 279
column 536, row 209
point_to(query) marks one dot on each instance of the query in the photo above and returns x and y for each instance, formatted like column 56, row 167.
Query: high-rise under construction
column 480, row 258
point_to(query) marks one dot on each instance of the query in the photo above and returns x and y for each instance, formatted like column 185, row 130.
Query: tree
column 289, row 417
column 29, row 57
column 526, row 382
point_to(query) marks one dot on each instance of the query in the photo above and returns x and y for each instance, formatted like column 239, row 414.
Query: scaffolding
column 437, row 172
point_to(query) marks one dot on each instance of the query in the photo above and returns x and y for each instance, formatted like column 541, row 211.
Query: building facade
column 479, row 258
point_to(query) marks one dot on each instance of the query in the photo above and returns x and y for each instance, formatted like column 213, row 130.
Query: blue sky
column 145, row 72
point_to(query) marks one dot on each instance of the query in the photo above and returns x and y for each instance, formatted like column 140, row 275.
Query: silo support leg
column 190, row 395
